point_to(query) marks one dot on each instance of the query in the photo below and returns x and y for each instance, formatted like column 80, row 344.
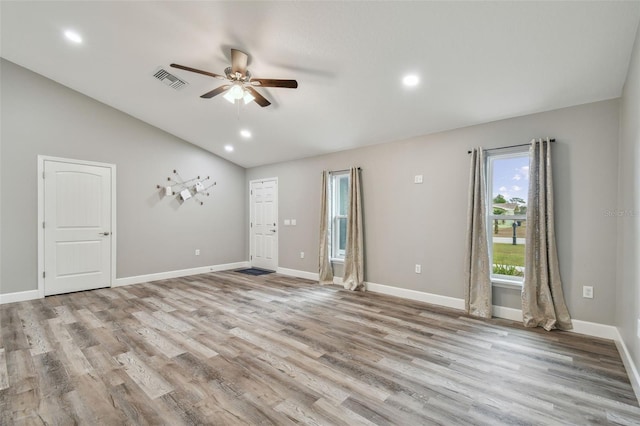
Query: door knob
column 104, row 233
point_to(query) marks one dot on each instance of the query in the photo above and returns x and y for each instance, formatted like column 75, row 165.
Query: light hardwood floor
column 227, row 348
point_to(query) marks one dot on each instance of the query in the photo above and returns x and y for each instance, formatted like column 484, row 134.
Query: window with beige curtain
column 508, row 188
column 341, row 228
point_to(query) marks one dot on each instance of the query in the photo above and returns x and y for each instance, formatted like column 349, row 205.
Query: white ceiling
column 478, row 62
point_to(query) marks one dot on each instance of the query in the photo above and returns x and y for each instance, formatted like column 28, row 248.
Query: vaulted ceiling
column 476, row 61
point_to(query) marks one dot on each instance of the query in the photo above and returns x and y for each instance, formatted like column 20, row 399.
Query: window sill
column 502, row 283
column 337, row 260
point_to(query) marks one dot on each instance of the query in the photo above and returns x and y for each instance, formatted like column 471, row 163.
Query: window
column 508, row 186
column 338, row 210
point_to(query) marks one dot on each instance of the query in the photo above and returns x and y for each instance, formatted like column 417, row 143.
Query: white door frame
column 251, row 244
column 41, row 160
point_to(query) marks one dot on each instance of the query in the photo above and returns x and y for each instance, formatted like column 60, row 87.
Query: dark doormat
column 254, row 271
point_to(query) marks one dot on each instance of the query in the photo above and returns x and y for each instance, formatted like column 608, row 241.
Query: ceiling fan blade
column 210, row 74
column 239, row 61
column 260, row 100
column 270, row 82
column 215, row 92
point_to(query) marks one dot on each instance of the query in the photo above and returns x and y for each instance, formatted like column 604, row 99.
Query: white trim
column 22, row 296
column 594, row 329
column 435, row 299
column 511, row 285
column 19, row 296
column 507, row 313
column 588, row 328
column 40, row 178
column 177, row 274
column 313, row 276
column 629, row 365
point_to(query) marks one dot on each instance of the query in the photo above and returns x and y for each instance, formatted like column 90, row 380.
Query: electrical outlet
column 418, row 269
column 587, row 292
column 301, row 255
column 197, row 252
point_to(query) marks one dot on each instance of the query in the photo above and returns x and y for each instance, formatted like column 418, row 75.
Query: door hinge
column 251, row 192
column 251, row 257
column 42, row 225
column 251, row 224
column 43, row 274
column 42, row 175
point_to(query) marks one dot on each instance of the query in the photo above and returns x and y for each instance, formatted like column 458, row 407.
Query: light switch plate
column 417, row 179
column 287, row 222
column 293, row 222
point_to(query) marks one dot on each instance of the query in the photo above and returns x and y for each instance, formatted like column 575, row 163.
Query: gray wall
column 406, row 223
column 628, row 280
column 41, row 117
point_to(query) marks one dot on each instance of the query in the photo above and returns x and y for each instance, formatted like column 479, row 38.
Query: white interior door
column 77, row 227
column 264, row 223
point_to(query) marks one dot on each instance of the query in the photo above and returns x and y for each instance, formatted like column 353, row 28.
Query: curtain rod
column 340, row 171
column 511, row 146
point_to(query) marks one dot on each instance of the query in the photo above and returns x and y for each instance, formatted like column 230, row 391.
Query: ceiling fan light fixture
column 237, row 91
column 229, row 96
column 248, row 97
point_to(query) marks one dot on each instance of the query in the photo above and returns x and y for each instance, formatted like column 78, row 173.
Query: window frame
column 337, row 255
column 500, row 280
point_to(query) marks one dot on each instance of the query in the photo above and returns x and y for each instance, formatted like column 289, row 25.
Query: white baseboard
column 629, row 365
column 435, row 299
column 19, row 296
column 581, row 327
column 595, row 329
column 507, row 313
column 177, row 274
column 22, row 296
column 314, row 276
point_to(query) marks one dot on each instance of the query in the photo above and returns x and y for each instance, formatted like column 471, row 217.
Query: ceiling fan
column 241, row 83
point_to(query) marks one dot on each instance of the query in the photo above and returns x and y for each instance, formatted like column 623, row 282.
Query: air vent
column 169, row 79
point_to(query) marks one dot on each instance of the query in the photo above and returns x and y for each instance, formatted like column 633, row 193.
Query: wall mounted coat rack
column 186, row 189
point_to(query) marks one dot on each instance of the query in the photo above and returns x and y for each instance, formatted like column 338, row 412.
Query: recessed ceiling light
column 410, row 80
column 245, row 133
column 228, row 148
column 73, row 36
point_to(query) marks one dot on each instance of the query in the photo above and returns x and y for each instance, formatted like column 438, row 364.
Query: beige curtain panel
column 542, row 297
column 325, row 271
column 477, row 298
column 353, row 278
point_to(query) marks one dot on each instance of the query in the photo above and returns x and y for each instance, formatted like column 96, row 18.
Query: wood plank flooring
column 227, row 348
